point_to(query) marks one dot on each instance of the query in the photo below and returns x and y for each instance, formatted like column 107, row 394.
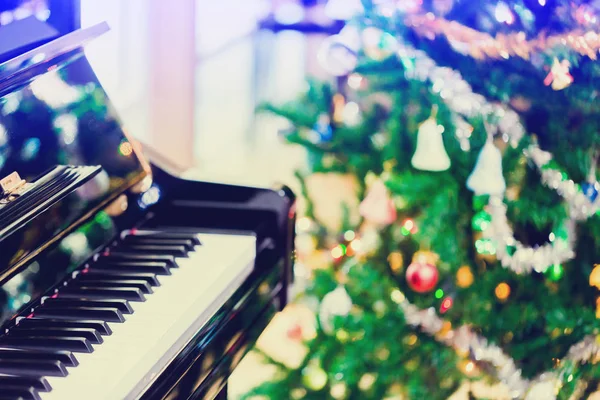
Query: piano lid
column 45, row 56
column 54, row 112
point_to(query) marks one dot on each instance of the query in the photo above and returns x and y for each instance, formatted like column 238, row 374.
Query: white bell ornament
column 430, row 154
column 487, row 177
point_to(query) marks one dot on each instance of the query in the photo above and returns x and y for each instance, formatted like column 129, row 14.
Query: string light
column 595, row 276
column 355, row 81
column 126, row 149
column 338, row 251
column 411, row 340
column 502, row 291
column 349, row 236
column 396, row 261
column 555, row 272
column 356, row 245
column 303, row 224
column 446, row 305
column 464, row 277
column 397, row 296
column 366, row 381
column 409, row 227
column 338, row 390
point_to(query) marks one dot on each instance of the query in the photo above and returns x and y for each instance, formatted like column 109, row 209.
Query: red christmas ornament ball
column 422, row 277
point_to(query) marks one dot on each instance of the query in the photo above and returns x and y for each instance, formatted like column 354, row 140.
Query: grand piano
column 118, row 279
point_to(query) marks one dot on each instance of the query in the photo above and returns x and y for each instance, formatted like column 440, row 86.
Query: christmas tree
column 469, row 134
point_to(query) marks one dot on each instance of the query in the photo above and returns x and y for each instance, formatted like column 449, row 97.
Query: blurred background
column 209, row 61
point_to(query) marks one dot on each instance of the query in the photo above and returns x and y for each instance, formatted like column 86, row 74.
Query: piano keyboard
column 109, row 331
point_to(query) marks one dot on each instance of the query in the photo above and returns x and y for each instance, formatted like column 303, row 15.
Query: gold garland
column 481, row 45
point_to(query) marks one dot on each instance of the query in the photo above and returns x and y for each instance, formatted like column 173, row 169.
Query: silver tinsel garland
column 543, row 387
column 580, row 206
column 524, row 259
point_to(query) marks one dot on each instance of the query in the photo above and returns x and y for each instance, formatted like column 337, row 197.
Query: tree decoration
column 338, row 106
column 322, row 131
column 377, row 44
column 422, row 277
column 378, row 207
column 314, row 377
column 559, row 76
column 338, row 390
column 591, row 188
column 409, row 227
column 502, row 291
column 581, row 205
column 426, row 257
column 595, row 276
column 336, row 303
column 366, row 381
column 446, row 305
column 555, row 272
column 487, row 178
column 469, row 368
column 430, row 154
column 396, row 261
column 464, row 277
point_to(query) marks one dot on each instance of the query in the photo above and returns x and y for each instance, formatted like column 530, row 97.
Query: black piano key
column 158, row 268
column 41, row 384
column 115, row 255
column 78, row 345
column 132, row 294
column 114, row 284
column 65, row 357
column 60, row 302
column 170, row 234
column 33, row 368
column 81, row 313
column 16, row 393
column 177, row 251
column 100, row 326
column 90, row 334
column 101, row 275
column 156, row 241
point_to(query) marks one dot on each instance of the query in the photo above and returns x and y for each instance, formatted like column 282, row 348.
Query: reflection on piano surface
column 158, row 300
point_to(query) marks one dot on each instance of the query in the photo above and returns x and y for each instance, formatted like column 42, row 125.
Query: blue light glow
column 149, row 197
column 30, row 149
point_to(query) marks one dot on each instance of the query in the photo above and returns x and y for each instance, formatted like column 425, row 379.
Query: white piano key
column 140, row 348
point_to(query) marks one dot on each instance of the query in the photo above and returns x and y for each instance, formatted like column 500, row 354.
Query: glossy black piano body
column 54, row 112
